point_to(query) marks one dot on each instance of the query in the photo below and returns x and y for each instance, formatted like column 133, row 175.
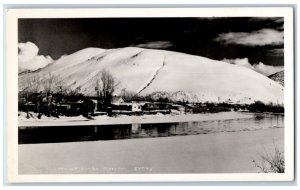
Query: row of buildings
column 56, row 104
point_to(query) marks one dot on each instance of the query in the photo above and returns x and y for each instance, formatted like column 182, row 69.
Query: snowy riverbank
column 211, row 153
column 124, row 119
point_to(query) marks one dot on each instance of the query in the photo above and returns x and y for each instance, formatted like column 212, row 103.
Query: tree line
column 47, row 92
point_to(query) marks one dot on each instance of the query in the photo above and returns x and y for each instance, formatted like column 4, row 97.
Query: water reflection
column 115, row 132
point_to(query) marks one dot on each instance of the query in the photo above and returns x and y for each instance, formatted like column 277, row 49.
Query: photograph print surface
column 151, row 95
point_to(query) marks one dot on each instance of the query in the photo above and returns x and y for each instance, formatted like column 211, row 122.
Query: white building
column 117, row 100
column 136, row 107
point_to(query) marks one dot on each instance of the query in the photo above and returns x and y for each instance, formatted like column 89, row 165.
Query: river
column 55, row 134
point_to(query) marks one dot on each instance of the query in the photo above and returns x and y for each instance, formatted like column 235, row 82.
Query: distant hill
column 177, row 76
column 278, row 77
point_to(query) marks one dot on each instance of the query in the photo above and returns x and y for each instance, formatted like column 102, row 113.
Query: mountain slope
column 278, row 77
column 176, row 75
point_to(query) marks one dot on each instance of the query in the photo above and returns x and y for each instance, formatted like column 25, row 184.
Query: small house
column 178, row 108
column 136, row 107
column 117, row 100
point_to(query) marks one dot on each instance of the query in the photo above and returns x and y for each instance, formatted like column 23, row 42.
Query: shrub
column 259, row 106
column 271, row 163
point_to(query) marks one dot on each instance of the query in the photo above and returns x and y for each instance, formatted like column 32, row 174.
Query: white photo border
column 12, row 16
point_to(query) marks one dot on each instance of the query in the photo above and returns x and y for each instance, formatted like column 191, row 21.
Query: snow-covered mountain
column 177, row 76
column 278, row 77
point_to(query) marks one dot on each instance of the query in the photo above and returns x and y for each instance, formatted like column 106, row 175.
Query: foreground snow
column 124, row 119
column 211, row 153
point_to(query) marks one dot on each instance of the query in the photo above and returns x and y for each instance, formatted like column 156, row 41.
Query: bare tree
column 108, row 83
column 269, row 163
column 127, row 95
column 33, row 84
column 50, row 83
column 98, row 87
column 105, row 87
column 108, row 87
column 53, row 84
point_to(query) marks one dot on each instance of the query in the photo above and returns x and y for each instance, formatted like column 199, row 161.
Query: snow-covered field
column 124, row 119
column 210, row 153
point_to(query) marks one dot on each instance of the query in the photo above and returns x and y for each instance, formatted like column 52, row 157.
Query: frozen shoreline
column 212, row 153
column 124, row 119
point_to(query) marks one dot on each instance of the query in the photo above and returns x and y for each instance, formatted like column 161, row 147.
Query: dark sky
column 197, row 36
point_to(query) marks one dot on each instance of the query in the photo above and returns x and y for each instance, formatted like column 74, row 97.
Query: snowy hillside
column 278, row 77
column 175, row 75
